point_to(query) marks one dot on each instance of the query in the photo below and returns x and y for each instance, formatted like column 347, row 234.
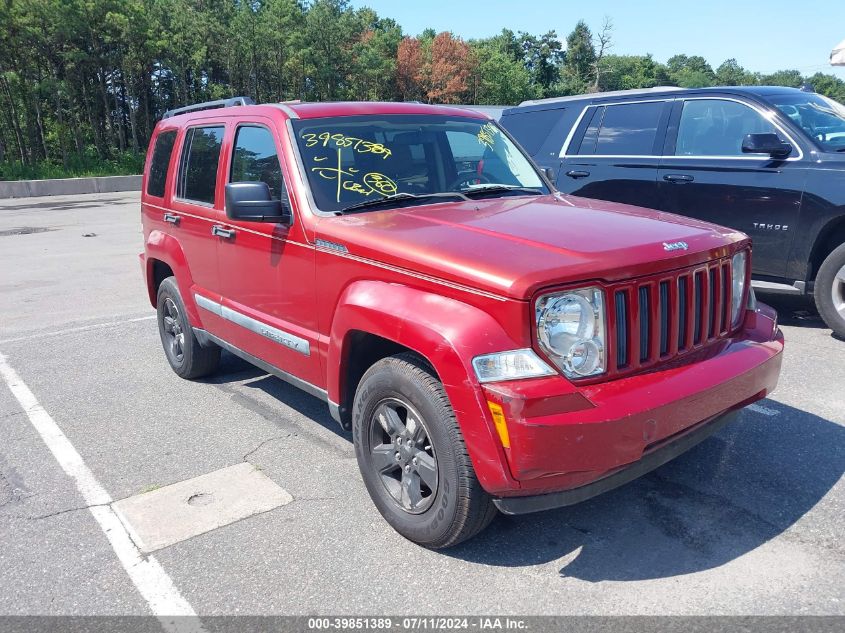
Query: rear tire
column 412, row 455
column 829, row 291
column 186, row 356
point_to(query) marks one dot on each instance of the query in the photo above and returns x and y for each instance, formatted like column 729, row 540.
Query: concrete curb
column 68, row 186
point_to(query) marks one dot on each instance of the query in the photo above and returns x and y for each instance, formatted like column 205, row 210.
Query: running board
column 798, row 288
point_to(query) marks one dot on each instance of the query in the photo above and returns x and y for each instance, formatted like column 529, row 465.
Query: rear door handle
column 172, row 218
column 678, row 178
column 575, row 173
column 219, row 231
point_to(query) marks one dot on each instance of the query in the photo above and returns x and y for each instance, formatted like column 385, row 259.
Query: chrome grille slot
column 645, row 318
column 664, row 318
column 621, row 301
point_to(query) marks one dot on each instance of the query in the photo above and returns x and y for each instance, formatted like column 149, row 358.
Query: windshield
column 356, row 159
column 821, row 118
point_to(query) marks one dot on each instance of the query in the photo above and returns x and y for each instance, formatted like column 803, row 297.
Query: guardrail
column 68, row 186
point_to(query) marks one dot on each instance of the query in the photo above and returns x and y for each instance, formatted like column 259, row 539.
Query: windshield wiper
column 398, row 197
column 496, row 188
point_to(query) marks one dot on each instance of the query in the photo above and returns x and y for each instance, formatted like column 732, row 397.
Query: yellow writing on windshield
column 487, row 134
column 325, row 139
column 347, row 179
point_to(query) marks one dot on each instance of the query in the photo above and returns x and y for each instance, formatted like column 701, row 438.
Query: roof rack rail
column 210, row 105
column 600, row 95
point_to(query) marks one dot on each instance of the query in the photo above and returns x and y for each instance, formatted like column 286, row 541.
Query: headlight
column 738, row 281
column 571, row 330
column 512, row 365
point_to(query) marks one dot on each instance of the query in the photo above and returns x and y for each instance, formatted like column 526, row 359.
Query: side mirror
column 766, row 144
column 549, row 173
column 252, row 202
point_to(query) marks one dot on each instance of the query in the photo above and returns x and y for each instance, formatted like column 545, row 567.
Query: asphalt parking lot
column 749, row 522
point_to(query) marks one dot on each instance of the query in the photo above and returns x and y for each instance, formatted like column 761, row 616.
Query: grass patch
column 125, row 164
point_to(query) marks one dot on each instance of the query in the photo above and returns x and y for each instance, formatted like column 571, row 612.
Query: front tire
column 186, row 356
column 412, row 455
column 829, row 291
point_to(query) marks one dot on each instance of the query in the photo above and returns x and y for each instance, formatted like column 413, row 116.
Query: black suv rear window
column 626, row 130
column 160, row 163
column 198, row 167
column 531, row 129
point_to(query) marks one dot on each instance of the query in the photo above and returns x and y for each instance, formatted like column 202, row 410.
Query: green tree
column 790, row 78
column 542, row 57
column 828, row 85
column 730, row 73
column 580, row 62
column 626, row 72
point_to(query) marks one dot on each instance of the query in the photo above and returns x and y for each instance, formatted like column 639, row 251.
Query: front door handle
column 680, row 178
column 575, row 173
column 219, row 231
column 172, row 218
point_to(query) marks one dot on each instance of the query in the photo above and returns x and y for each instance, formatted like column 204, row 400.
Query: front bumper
column 655, row 458
column 580, row 441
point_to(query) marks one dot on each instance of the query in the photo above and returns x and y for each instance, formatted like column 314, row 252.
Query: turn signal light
column 499, row 420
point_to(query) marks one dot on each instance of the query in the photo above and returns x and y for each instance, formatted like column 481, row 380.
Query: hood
column 514, row 246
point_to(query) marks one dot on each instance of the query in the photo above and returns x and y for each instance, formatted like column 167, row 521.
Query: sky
column 762, row 36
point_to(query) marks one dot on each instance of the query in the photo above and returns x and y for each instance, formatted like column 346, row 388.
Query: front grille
column 655, row 319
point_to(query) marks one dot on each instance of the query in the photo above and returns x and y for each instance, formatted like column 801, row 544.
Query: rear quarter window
column 198, row 166
column 533, row 128
column 160, row 163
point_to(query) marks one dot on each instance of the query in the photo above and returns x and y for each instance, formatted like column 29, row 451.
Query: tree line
column 82, row 82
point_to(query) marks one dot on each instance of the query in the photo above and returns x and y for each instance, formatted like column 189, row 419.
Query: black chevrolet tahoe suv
column 768, row 161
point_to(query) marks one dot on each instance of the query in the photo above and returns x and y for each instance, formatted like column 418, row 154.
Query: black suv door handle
column 173, row 219
column 678, row 178
column 219, row 231
column 575, row 173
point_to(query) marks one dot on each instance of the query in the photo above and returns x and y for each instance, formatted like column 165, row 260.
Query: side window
column 532, row 129
column 593, row 121
column 629, row 129
column 160, row 163
column 716, row 127
column 198, row 165
column 254, row 159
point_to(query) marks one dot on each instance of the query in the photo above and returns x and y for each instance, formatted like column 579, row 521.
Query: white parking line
column 759, row 408
column 146, row 573
column 73, row 330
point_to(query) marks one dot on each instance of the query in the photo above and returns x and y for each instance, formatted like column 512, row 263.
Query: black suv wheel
column 186, row 356
column 412, row 456
column 830, row 291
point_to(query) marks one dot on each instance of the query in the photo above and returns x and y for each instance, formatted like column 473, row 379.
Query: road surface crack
column 265, row 442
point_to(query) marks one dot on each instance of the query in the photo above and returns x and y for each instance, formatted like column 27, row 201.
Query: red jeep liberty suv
column 491, row 343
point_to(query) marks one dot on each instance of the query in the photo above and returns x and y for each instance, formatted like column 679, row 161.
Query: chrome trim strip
column 569, row 136
column 207, row 304
column 429, row 278
column 768, row 116
column 314, row 390
column 332, row 246
column 286, row 339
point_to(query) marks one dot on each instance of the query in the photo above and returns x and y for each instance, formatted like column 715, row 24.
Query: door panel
column 195, row 208
column 615, row 179
column 267, row 269
column 705, row 175
column 614, row 153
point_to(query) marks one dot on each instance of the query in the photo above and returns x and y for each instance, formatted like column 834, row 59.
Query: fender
column 166, row 248
column 447, row 333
